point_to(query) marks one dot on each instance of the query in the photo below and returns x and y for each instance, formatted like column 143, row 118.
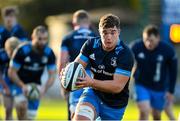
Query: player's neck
column 36, row 49
column 9, row 28
column 81, row 26
column 108, row 49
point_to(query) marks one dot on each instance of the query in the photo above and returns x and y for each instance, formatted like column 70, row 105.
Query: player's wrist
column 91, row 84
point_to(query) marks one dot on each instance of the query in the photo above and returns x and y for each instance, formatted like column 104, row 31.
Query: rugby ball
column 70, row 76
column 33, row 91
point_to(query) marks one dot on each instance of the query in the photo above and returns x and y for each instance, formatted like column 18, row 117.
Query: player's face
column 109, row 37
column 40, row 40
column 10, row 20
column 150, row 42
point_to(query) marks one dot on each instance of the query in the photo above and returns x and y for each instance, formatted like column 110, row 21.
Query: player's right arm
column 14, row 66
column 63, row 60
column 3, row 60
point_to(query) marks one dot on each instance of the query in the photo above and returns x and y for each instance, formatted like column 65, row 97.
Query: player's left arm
column 172, row 66
column 51, row 67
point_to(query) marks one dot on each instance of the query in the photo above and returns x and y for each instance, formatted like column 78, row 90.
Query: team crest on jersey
column 141, row 55
column 27, row 59
column 160, row 58
column 92, row 56
column 44, row 59
column 114, row 61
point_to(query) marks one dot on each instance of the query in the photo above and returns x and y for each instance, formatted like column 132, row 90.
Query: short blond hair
column 40, row 28
column 80, row 15
column 12, row 43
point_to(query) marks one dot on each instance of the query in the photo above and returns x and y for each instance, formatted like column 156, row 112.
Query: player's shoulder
column 3, row 54
column 136, row 43
column 18, row 27
column 2, row 28
column 166, row 47
column 48, row 51
column 24, row 47
column 94, row 42
column 2, row 50
column 69, row 36
column 164, row 44
column 123, row 49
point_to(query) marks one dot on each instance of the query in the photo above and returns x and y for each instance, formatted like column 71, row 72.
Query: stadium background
column 57, row 15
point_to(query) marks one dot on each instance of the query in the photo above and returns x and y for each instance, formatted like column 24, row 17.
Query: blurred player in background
column 155, row 60
column 26, row 66
column 111, row 62
column 8, row 86
column 11, row 26
column 70, row 49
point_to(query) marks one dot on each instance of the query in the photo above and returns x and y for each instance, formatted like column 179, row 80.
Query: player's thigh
column 88, row 105
column 108, row 113
column 8, row 101
column 20, row 101
column 74, row 99
column 142, row 93
column 158, row 100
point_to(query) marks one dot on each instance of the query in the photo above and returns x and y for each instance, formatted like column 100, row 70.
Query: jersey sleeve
column 85, row 51
column 51, row 65
column 173, row 64
column 125, row 64
column 17, row 58
column 65, row 44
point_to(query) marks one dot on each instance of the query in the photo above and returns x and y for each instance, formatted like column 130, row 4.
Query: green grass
column 57, row 110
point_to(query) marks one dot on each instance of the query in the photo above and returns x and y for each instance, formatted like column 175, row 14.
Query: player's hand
column 87, row 81
column 62, row 74
column 169, row 97
column 42, row 92
column 25, row 90
column 6, row 91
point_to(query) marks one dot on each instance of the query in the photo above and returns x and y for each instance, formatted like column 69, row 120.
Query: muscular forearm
column 15, row 78
column 50, row 80
column 173, row 75
column 109, row 86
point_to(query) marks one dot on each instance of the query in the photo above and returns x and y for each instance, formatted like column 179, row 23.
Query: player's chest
column 34, row 59
column 150, row 57
column 103, row 61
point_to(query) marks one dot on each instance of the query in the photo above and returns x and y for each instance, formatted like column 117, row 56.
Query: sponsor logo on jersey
column 141, row 55
column 92, row 56
column 27, row 59
column 44, row 59
column 160, row 58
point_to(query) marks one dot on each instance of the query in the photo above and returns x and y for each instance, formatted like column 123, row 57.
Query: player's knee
column 156, row 114
column 31, row 114
column 144, row 107
column 84, row 112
